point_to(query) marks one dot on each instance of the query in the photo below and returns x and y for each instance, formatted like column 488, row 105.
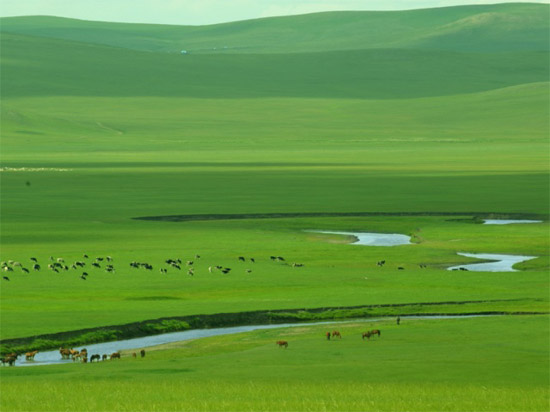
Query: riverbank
column 282, row 316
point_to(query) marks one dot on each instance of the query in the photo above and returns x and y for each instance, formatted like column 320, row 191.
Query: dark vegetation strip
column 174, row 324
column 477, row 216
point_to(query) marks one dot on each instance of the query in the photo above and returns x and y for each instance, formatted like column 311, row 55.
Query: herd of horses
column 82, row 355
column 335, row 334
column 75, row 355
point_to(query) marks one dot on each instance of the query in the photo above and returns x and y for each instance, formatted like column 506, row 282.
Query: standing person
column 328, row 335
column 398, row 320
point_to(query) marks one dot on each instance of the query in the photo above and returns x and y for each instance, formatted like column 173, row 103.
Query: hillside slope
column 483, row 28
column 36, row 66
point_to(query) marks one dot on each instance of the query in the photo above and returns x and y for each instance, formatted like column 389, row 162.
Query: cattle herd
column 82, row 267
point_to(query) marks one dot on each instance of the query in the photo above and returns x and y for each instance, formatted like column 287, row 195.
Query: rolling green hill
column 36, row 66
column 485, row 28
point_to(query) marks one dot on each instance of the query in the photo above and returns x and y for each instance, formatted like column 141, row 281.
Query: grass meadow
column 422, row 135
column 485, row 364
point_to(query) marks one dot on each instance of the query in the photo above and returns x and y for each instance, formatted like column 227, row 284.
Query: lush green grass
column 483, row 28
column 418, row 119
column 335, row 274
column 484, row 364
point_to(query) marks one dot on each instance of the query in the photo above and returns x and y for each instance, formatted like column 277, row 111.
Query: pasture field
column 103, row 124
column 482, row 364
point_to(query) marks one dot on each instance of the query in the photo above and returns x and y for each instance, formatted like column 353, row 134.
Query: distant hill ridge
column 475, row 28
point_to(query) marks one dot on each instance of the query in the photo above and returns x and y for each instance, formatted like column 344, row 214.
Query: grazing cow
column 273, row 257
column 336, row 333
column 465, row 269
column 95, row 357
column 115, row 355
column 99, row 259
column 30, row 355
column 226, row 270
column 197, row 256
column 142, row 353
column 280, row 258
column 252, row 260
column 162, row 270
column 400, row 268
column 96, row 265
column 25, row 270
column 297, row 265
column 241, row 258
column 36, row 266
column 248, row 270
column 5, row 278
column 191, row 272
column 282, row 344
column 85, row 256
column 109, row 258
column 189, row 262
column 34, row 260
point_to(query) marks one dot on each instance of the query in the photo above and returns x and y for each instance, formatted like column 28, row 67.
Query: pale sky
column 199, row 12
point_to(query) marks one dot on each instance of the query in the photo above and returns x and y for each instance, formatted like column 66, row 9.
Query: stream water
column 53, row 357
column 373, row 239
column 499, row 263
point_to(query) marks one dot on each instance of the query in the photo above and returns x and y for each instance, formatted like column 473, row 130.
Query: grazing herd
column 82, row 355
column 335, row 334
column 66, row 354
column 58, row 265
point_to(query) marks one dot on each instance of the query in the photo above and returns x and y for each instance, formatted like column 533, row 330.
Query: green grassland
column 485, row 364
column 102, row 123
column 481, row 28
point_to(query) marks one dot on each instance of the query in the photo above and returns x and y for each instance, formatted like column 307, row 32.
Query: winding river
column 373, row 239
column 54, row 358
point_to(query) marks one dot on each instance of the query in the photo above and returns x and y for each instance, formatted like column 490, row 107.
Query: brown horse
column 336, row 333
column 282, row 343
column 371, row 333
column 115, row 355
column 30, row 355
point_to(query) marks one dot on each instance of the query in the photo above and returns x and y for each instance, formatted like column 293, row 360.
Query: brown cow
column 282, row 344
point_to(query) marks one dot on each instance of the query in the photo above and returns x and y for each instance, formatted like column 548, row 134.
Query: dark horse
column 282, row 344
